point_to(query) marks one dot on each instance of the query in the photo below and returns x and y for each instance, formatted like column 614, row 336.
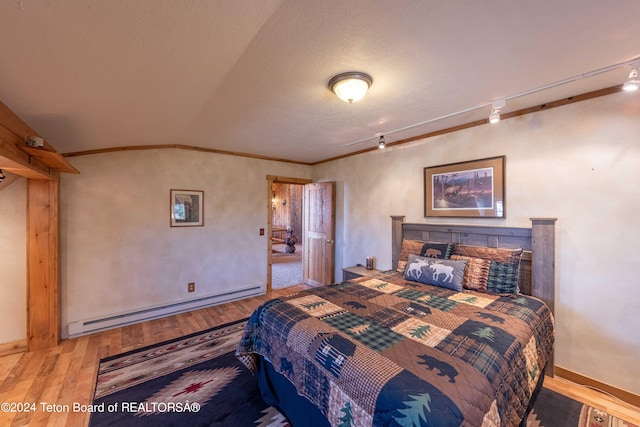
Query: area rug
column 197, row 381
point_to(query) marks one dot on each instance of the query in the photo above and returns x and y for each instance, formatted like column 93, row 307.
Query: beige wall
column 13, row 262
column 580, row 164
column 119, row 253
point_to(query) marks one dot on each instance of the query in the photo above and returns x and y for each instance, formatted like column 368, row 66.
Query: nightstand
column 356, row 271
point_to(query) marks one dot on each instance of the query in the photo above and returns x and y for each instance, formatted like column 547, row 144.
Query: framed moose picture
column 466, row 189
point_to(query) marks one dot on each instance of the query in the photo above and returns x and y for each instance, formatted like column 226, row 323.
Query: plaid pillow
column 419, row 247
column 490, row 270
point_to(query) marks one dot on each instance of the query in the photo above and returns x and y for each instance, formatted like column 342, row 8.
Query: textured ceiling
column 250, row 76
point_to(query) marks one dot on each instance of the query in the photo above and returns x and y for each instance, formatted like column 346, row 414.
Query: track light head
column 633, row 83
column 494, row 117
column 381, row 142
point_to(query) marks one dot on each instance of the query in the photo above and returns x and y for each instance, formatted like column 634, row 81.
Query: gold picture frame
column 473, row 189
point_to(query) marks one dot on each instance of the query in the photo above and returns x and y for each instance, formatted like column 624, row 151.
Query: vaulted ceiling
column 250, row 76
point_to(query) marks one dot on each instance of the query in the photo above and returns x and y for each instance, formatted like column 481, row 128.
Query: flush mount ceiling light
column 351, row 86
column 633, row 83
column 494, row 117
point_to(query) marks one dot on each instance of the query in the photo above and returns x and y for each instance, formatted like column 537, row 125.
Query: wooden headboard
column 537, row 271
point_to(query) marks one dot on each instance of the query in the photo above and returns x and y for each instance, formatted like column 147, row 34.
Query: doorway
column 286, row 234
column 315, row 240
column 285, row 209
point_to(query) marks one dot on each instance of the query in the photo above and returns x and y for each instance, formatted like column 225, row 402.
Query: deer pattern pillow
column 433, row 271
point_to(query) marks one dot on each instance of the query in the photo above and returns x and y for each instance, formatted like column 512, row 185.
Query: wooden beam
column 41, row 167
column 17, row 161
column 43, row 275
column 21, row 159
column 49, row 157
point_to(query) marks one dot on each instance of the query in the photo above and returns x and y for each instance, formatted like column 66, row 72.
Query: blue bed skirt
column 278, row 392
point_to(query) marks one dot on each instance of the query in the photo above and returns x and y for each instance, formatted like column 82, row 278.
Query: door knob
column 330, row 242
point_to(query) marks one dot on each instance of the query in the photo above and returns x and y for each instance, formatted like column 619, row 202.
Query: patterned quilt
column 387, row 351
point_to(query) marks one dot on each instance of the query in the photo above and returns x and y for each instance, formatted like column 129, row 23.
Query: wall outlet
column 191, row 287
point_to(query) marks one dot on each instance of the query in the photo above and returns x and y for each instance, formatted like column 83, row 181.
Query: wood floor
column 65, row 374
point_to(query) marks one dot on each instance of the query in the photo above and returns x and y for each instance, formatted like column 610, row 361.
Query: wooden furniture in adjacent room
column 278, row 234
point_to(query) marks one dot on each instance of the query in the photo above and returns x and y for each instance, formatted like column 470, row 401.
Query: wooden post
column 43, row 272
column 41, row 166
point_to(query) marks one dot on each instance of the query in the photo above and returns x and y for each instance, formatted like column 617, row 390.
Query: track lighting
column 381, row 142
column 633, row 83
column 494, row 117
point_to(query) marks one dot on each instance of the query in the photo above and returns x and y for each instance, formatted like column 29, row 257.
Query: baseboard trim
column 89, row 326
column 13, row 347
column 627, row 396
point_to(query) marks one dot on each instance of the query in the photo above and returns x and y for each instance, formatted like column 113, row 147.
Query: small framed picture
column 187, row 208
column 466, row 189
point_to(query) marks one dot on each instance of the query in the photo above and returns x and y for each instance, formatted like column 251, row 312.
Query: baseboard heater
column 95, row 325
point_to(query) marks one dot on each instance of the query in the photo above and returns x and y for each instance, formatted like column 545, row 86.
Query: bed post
column 396, row 239
column 543, row 273
column 543, row 262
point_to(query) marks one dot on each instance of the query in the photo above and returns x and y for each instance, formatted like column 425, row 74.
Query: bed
column 460, row 332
